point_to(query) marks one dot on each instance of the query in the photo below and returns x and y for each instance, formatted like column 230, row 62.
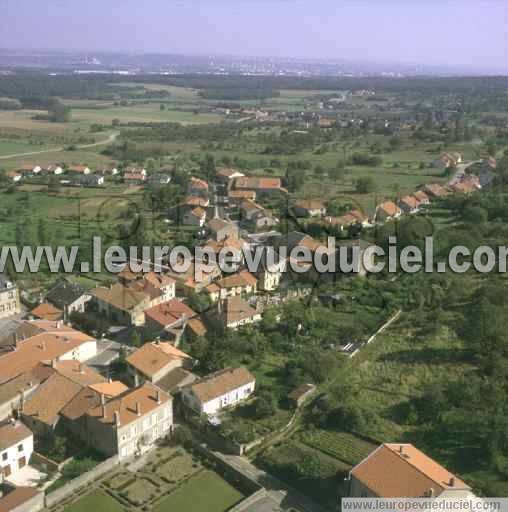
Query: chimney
column 431, row 492
column 81, row 368
column 158, row 397
column 117, row 418
column 103, row 399
column 401, row 450
column 43, row 345
column 53, row 363
column 452, row 482
column 110, row 380
column 158, row 340
column 138, row 408
column 59, row 324
column 103, row 410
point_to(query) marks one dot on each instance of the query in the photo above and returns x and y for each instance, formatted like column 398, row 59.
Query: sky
column 433, row 32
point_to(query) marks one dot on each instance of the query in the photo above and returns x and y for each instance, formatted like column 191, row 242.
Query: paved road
column 280, row 495
column 111, row 138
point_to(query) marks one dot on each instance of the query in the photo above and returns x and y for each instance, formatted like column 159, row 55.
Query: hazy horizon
column 447, row 33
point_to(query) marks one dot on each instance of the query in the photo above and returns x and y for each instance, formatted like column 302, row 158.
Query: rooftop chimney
column 452, row 481
column 53, row 363
column 103, row 410
column 43, row 345
column 138, row 408
column 117, row 418
column 401, row 449
column 81, row 368
column 158, row 397
column 103, row 399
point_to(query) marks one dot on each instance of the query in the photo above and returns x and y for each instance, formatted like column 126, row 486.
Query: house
column 20, row 499
column 422, row 198
column 159, row 287
column 241, row 283
column 447, row 160
column 68, row 297
column 408, row 204
column 122, row 304
column 14, row 176
column 401, row 470
column 270, row 271
column 41, row 411
column 133, row 177
column 248, row 209
column 198, row 187
column 435, row 191
column 262, row 219
column 159, row 179
column 131, row 423
column 226, row 175
column 54, row 169
column 220, row 229
column 53, row 341
column 153, row 361
column 300, row 394
column 16, row 447
column 175, row 380
column 262, row 186
column 326, row 123
column 236, row 197
column 309, row 208
column 46, row 311
column 195, row 217
column 235, row 312
column 73, row 414
column 79, row 169
column 9, row 298
column 232, row 249
column 387, row 211
column 111, row 170
column 168, row 314
column 29, row 170
column 197, row 276
column 89, row 180
column 215, row 392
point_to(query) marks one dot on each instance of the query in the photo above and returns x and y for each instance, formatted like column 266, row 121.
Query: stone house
column 132, row 422
column 121, row 304
column 9, row 298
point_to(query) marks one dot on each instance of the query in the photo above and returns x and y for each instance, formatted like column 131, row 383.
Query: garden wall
column 70, row 488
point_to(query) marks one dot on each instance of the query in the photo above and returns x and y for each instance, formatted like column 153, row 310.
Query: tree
column 309, row 466
column 365, row 185
column 265, row 405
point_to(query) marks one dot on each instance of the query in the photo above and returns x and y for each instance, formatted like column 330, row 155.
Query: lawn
column 98, row 501
column 206, row 492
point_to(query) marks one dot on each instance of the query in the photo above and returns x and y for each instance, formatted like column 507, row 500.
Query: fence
column 81, row 481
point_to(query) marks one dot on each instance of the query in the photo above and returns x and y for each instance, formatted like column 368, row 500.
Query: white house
column 225, row 388
column 16, row 447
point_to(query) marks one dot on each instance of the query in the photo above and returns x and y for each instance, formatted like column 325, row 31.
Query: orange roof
column 410, row 201
column 198, row 212
column 237, row 309
column 197, row 326
column 109, row 389
column 227, row 172
column 77, row 372
column 390, row 208
column 436, row 190
column 153, row 357
column 198, row 183
column 41, row 347
column 17, row 497
column 421, row 196
column 401, row 470
column 121, row 297
column 148, row 397
column 195, row 201
column 46, row 311
column 310, row 204
column 242, row 194
column 168, row 313
column 219, row 383
column 257, row 183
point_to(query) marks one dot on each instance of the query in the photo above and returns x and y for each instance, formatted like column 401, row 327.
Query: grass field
column 206, row 492
column 98, row 501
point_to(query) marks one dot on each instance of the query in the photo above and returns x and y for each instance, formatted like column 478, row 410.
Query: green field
column 206, row 492
column 98, row 501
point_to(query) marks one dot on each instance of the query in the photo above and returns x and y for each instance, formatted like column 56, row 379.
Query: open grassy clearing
column 98, row 500
column 206, row 492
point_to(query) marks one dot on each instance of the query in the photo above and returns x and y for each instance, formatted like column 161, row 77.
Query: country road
column 111, row 138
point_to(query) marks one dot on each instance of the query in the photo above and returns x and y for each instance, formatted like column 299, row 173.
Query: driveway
column 27, row 477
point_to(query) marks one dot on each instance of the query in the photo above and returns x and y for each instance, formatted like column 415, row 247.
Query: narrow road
column 281, row 494
column 111, row 138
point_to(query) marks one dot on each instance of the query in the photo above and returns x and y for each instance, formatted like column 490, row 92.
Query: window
column 4, row 456
column 20, row 447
